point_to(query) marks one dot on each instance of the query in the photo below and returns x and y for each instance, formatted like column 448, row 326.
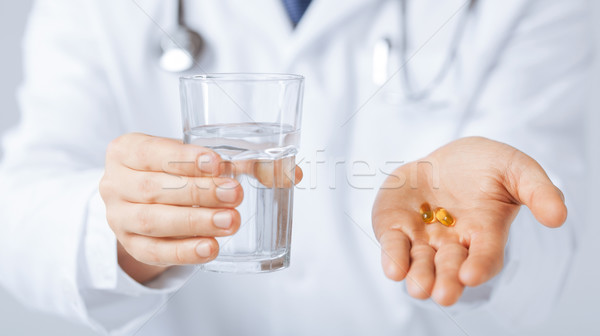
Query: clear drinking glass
column 253, row 122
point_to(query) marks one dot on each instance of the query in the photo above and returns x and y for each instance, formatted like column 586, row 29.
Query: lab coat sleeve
column 534, row 99
column 57, row 252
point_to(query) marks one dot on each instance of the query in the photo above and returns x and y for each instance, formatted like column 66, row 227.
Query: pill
column 427, row 214
column 444, row 217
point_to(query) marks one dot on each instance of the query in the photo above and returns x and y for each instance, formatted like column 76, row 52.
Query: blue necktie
column 295, row 9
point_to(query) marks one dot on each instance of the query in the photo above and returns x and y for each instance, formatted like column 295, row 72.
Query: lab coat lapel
column 320, row 19
column 488, row 43
column 269, row 19
column 269, row 16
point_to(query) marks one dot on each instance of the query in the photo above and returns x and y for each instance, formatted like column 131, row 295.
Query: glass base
column 247, row 264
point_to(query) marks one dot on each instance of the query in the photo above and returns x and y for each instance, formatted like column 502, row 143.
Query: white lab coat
column 91, row 75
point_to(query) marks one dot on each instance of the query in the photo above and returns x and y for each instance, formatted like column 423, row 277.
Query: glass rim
column 242, row 77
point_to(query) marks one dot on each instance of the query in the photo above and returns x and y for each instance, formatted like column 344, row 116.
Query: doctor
column 88, row 234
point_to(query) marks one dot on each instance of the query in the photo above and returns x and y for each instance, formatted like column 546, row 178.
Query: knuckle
column 185, row 156
column 421, row 251
column 105, row 187
column 196, row 191
column 179, row 257
column 147, row 189
column 392, row 236
column 385, row 236
column 126, row 242
column 151, row 254
column 446, row 244
column 141, row 249
column 112, row 219
column 132, row 246
column 146, row 149
column 114, row 149
column 144, row 221
column 191, row 221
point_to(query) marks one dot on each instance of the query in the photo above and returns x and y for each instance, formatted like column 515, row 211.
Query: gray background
column 576, row 315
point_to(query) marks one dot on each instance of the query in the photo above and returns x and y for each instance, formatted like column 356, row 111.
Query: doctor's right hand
column 165, row 203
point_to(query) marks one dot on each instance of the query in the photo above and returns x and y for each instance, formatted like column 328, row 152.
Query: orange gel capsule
column 444, row 217
column 427, row 214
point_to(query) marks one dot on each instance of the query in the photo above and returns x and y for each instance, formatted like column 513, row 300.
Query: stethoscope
column 383, row 49
column 182, row 48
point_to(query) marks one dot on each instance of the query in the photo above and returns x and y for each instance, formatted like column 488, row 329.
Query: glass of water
column 253, row 122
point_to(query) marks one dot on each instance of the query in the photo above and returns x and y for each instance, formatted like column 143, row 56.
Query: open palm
column 482, row 183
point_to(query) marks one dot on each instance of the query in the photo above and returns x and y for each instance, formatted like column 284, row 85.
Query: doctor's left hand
column 482, row 183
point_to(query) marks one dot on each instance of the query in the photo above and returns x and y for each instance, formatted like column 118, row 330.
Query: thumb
column 529, row 185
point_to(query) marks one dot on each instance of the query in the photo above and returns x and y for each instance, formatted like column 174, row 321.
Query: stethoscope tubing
column 413, row 93
column 193, row 50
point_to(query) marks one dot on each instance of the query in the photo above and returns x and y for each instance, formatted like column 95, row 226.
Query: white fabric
column 92, row 74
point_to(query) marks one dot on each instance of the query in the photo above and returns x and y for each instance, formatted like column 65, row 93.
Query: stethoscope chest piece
column 180, row 50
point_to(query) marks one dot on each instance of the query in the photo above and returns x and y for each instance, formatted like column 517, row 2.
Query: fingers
column 421, row 275
column 282, row 173
column 395, row 229
column 530, row 185
column 159, row 220
column 448, row 288
column 387, row 219
column 151, row 187
column 166, row 251
column 485, row 260
column 395, row 254
column 149, row 153
column 298, row 174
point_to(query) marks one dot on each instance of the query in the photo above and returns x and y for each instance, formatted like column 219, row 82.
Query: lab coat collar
column 319, row 20
column 322, row 16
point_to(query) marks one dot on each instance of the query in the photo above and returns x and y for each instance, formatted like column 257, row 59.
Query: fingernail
column 226, row 192
column 222, row 219
column 205, row 163
column 203, row 249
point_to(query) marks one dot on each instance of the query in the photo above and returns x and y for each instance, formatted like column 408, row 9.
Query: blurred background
column 576, row 314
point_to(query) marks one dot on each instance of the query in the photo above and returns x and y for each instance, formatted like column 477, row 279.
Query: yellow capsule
column 427, row 214
column 444, row 217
